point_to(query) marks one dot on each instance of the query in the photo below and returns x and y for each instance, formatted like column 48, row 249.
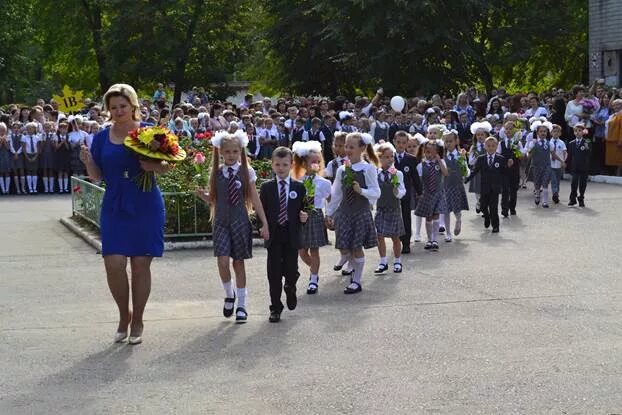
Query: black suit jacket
column 491, row 176
column 327, row 150
column 411, row 177
column 269, row 195
column 579, row 157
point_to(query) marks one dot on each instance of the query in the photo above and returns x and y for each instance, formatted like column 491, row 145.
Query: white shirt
column 472, row 157
column 14, row 150
column 252, row 176
column 306, row 136
column 558, row 147
column 77, row 138
column 31, row 142
column 278, row 190
column 322, row 191
column 538, row 112
column 372, row 193
column 401, row 189
column 328, row 172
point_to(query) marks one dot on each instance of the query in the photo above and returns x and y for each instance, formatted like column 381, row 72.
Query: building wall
column 605, row 40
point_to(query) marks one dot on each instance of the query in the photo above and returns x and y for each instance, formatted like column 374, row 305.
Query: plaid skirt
column 31, row 165
column 77, row 167
column 431, row 204
column 233, row 239
column 5, row 161
column 389, row 222
column 456, row 199
column 541, row 176
column 313, row 234
column 355, row 230
column 475, row 184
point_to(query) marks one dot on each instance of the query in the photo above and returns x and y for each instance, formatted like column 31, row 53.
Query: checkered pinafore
column 433, row 199
column 354, row 225
column 388, row 219
column 541, row 164
column 455, row 195
column 475, row 185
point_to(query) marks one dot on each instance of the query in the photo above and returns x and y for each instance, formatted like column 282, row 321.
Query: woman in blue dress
column 132, row 220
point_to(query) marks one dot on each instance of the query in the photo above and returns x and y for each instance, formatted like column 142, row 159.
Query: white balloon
column 398, row 103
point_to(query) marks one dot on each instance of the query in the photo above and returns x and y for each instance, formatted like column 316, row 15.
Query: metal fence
column 186, row 215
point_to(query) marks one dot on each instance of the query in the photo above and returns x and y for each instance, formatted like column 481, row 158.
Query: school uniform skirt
column 233, row 239
column 5, row 161
column 62, row 159
column 431, row 204
column 541, row 176
column 77, row 167
column 31, row 165
column 355, row 230
column 456, row 199
column 475, row 184
column 313, row 234
column 46, row 160
column 389, row 222
column 17, row 164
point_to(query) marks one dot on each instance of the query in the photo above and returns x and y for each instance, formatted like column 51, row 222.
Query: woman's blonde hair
column 127, row 92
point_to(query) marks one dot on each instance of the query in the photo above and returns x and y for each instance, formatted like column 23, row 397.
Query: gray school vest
column 359, row 202
column 225, row 213
column 541, row 155
column 387, row 199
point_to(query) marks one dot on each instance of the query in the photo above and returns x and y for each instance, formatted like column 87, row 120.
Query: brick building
column 605, row 41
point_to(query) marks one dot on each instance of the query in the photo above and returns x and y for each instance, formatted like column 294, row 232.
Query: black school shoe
column 228, row 312
column 337, row 267
column 441, row 229
column 504, row 213
column 347, row 273
column 292, row 300
column 555, row 198
column 313, row 287
column 397, row 267
column 275, row 317
column 581, row 202
column 572, row 202
column 240, row 318
column 355, row 290
column 513, row 212
column 382, row 268
column 406, row 249
column 487, row 222
column 495, row 230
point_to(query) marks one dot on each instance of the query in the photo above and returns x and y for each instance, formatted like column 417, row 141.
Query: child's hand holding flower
column 264, row 233
column 356, row 187
column 315, row 168
column 304, row 216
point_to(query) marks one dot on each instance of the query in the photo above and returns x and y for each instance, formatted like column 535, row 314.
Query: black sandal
column 240, row 319
column 228, row 312
column 313, row 287
column 347, row 273
column 349, row 290
column 337, row 267
column 397, row 267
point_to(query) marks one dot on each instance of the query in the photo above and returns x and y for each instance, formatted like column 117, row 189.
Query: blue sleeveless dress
column 131, row 221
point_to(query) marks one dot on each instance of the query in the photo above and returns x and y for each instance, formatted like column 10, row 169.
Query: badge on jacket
column 497, row 165
column 293, row 194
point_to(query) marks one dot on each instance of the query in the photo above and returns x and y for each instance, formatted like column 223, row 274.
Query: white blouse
column 372, row 193
column 322, row 191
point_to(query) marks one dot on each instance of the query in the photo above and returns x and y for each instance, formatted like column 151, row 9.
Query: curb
column 616, row 180
column 92, row 238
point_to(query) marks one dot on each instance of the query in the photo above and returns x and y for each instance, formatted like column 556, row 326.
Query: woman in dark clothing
column 557, row 117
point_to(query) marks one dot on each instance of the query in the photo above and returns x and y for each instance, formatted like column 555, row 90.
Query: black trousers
column 578, row 180
column 407, row 217
column 489, row 204
column 511, row 183
column 282, row 264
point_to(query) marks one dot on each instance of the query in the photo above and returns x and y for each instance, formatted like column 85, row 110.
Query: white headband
column 239, row 134
column 303, row 148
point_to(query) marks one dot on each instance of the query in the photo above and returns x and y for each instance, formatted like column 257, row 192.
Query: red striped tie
column 282, row 204
column 234, row 192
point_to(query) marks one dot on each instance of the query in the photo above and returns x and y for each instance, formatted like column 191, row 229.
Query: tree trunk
column 94, row 16
column 180, row 65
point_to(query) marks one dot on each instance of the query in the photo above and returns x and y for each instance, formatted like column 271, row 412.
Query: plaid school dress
column 313, row 233
column 354, row 224
column 475, row 185
column 388, row 218
column 541, row 164
column 232, row 230
column 455, row 195
column 433, row 199
column 46, row 158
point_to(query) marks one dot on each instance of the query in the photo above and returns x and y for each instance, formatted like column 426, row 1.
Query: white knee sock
column 434, row 230
column 545, row 196
column 342, row 260
column 2, row 189
column 46, row 188
column 314, row 278
column 441, row 220
column 29, row 180
column 383, row 260
column 34, row 182
column 51, row 183
column 359, row 264
column 7, row 183
column 428, row 229
column 447, row 224
column 418, row 220
column 228, row 287
column 242, row 297
column 65, row 183
column 22, row 180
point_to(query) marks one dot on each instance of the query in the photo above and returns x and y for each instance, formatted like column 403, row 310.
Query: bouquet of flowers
column 395, row 181
column 206, row 135
column 348, row 174
column 153, row 143
column 462, row 164
column 201, row 167
column 309, row 202
column 518, row 154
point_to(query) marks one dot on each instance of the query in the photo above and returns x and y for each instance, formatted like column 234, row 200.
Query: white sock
column 447, row 224
column 398, row 260
column 383, row 260
column 228, row 287
column 359, row 264
column 242, row 297
column 34, row 182
column 418, row 220
column 314, row 278
column 45, row 184
column 342, row 260
column 51, row 182
column 434, row 230
column 2, row 185
column 22, row 180
column 65, row 183
column 29, row 180
column 7, row 183
column 428, row 229
column 441, row 220
column 545, row 196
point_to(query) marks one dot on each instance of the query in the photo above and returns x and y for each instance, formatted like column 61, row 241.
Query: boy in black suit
column 282, row 199
column 579, row 163
column 511, row 180
column 407, row 164
column 492, row 168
